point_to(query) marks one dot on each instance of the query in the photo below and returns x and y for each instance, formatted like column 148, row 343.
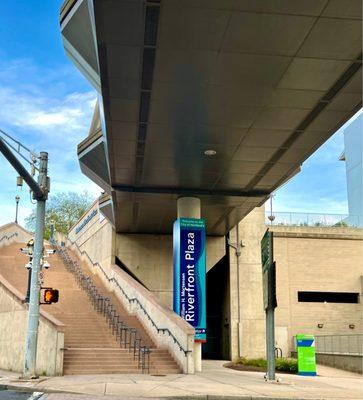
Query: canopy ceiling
column 262, row 83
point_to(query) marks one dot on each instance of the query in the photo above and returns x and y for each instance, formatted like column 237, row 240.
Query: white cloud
column 47, row 119
column 45, row 116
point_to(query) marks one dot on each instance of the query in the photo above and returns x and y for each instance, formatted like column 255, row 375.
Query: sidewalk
column 215, row 382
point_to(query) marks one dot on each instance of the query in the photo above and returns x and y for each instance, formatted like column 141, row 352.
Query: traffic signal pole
column 33, row 318
column 40, row 194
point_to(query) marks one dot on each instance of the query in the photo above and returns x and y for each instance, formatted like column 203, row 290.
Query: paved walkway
column 215, row 382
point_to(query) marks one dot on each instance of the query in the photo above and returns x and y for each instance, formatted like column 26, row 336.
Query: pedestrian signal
column 50, row 296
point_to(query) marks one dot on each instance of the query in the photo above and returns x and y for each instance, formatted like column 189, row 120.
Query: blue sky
column 44, row 101
column 320, row 187
column 48, row 105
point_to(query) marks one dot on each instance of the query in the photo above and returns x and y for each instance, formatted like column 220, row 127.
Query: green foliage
column 286, row 365
column 253, row 362
column 282, row 364
column 341, row 224
column 64, row 209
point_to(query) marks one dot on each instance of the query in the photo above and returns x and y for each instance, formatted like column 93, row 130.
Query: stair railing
column 127, row 337
column 6, row 237
column 132, row 300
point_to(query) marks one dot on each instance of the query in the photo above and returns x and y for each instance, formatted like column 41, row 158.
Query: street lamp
column 52, row 226
column 17, row 199
column 271, row 217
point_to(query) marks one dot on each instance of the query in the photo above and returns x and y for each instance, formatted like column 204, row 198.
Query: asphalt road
column 14, row 395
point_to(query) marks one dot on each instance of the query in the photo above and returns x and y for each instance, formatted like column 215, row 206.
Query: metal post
column 270, row 303
column 52, row 223
column 33, row 318
column 27, row 297
column 17, row 198
column 270, row 343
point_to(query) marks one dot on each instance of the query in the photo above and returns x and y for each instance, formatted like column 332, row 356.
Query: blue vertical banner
column 190, row 273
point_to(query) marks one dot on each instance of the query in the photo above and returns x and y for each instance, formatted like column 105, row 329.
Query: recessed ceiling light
column 210, row 152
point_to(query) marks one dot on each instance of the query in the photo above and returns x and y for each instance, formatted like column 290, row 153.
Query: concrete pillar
column 197, row 357
column 248, row 317
column 189, row 207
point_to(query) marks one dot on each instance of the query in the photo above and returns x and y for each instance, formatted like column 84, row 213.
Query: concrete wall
column 348, row 362
column 316, row 259
column 13, row 325
column 150, row 259
column 247, row 318
column 308, row 259
column 94, row 235
column 13, row 232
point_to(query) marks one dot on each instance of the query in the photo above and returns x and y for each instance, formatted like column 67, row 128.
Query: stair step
column 90, row 346
column 100, row 371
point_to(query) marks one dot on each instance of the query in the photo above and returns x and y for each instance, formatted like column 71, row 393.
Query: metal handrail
column 280, row 218
column 127, row 336
column 133, row 300
column 6, row 237
column 278, row 352
column 334, row 344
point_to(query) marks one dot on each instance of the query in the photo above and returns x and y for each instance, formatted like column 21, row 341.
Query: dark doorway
column 217, row 346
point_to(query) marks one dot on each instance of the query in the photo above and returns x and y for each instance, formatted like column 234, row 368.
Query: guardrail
column 338, row 344
column 313, row 219
column 133, row 300
column 5, row 237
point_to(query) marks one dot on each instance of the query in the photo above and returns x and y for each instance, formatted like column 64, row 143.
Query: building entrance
column 218, row 314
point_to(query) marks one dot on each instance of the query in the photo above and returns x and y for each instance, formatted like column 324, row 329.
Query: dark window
column 328, row 297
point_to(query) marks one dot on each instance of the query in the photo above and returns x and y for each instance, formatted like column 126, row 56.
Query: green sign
column 306, row 363
column 266, row 250
column 268, row 271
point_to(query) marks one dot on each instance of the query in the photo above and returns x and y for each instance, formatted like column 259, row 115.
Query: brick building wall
column 322, row 260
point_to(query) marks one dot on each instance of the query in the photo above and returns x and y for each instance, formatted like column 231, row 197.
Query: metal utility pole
column 33, row 319
column 40, row 194
column 269, row 300
column 17, row 198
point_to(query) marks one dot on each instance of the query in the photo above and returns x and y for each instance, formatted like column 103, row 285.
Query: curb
column 32, row 389
column 238, row 397
column 186, row 397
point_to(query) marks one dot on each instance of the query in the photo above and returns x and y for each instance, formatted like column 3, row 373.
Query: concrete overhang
column 264, row 84
column 78, row 35
column 106, row 207
column 92, row 154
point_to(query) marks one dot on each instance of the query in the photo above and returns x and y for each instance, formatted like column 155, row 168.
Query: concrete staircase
column 90, row 346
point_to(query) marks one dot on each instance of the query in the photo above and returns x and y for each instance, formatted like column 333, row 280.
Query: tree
column 64, row 209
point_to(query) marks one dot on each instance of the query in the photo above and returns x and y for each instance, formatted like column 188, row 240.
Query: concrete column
column 197, row 357
column 248, row 317
column 189, row 207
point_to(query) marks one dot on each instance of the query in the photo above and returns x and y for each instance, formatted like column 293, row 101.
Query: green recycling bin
column 306, row 363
